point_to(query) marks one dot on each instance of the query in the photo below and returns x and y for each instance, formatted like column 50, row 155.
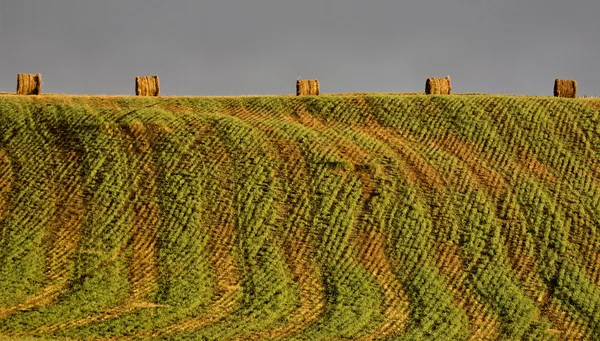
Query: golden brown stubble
column 144, row 257
column 480, row 173
column 564, row 327
column 484, row 326
column 494, row 183
column 63, row 237
column 143, row 261
column 311, row 290
column 6, row 176
column 220, row 248
column 292, row 234
column 416, row 168
column 369, row 250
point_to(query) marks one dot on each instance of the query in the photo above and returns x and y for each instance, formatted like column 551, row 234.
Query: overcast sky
column 237, row 47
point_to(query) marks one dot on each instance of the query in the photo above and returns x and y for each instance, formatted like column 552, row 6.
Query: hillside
column 363, row 217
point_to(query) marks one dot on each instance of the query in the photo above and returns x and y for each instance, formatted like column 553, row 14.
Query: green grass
column 488, row 207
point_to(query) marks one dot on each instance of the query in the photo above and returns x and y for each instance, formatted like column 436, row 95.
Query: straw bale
column 565, row 88
column 438, row 86
column 147, row 86
column 29, row 84
column 307, row 87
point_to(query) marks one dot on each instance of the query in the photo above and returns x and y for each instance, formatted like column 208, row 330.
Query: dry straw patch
column 416, row 168
column 484, row 326
column 68, row 195
column 480, row 173
column 370, row 251
column 564, row 327
column 147, row 86
column 29, row 84
column 144, row 269
column 308, row 87
column 312, row 292
column 530, row 163
column 565, row 88
column 438, row 86
column 5, row 180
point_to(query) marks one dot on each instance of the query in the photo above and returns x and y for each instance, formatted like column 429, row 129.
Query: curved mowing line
column 185, row 277
column 444, row 146
column 311, row 292
column 370, row 251
column 106, row 224
column 257, row 192
column 405, row 221
column 545, row 223
column 227, row 288
column 310, row 144
column 144, row 258
column 294, row 234
column 221, row 240
column 311, row 149
column 351, row 294
column 6, row 178
column 64, row 235
column 143, row 271
column 31, row 207
column 226, row 282
column 417, row 169
column 253, row 222
column 486, row 177
column 484, row 325
column 368, row 247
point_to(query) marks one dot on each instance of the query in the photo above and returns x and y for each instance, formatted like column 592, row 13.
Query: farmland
column 362, row 216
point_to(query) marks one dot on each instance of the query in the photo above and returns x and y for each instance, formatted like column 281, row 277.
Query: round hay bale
column 307, row 87
column 565, row 88
column 147, row 86
column 29, row 84
column 438, row 86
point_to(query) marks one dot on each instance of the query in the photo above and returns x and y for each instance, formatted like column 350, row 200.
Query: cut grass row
column 191, row 206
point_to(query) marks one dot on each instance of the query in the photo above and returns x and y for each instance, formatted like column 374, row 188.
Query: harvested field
column 360, row 216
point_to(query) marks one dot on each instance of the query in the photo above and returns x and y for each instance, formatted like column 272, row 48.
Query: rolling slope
column 362, row 216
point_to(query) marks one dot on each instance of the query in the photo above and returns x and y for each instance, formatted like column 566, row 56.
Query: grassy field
column 355, row 217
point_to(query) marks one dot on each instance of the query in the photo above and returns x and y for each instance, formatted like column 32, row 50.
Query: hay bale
column 438, row 86
column 565, row 88
column 147, row 86
column 29, row 84
column 307, row 87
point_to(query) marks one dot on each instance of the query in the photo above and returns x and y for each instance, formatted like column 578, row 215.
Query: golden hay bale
column 307, row 87
column 29, row 84
column 438, row 86
column 147, row 86
column 565, row 88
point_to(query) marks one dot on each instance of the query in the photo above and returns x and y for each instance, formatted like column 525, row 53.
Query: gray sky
column 236, row 47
